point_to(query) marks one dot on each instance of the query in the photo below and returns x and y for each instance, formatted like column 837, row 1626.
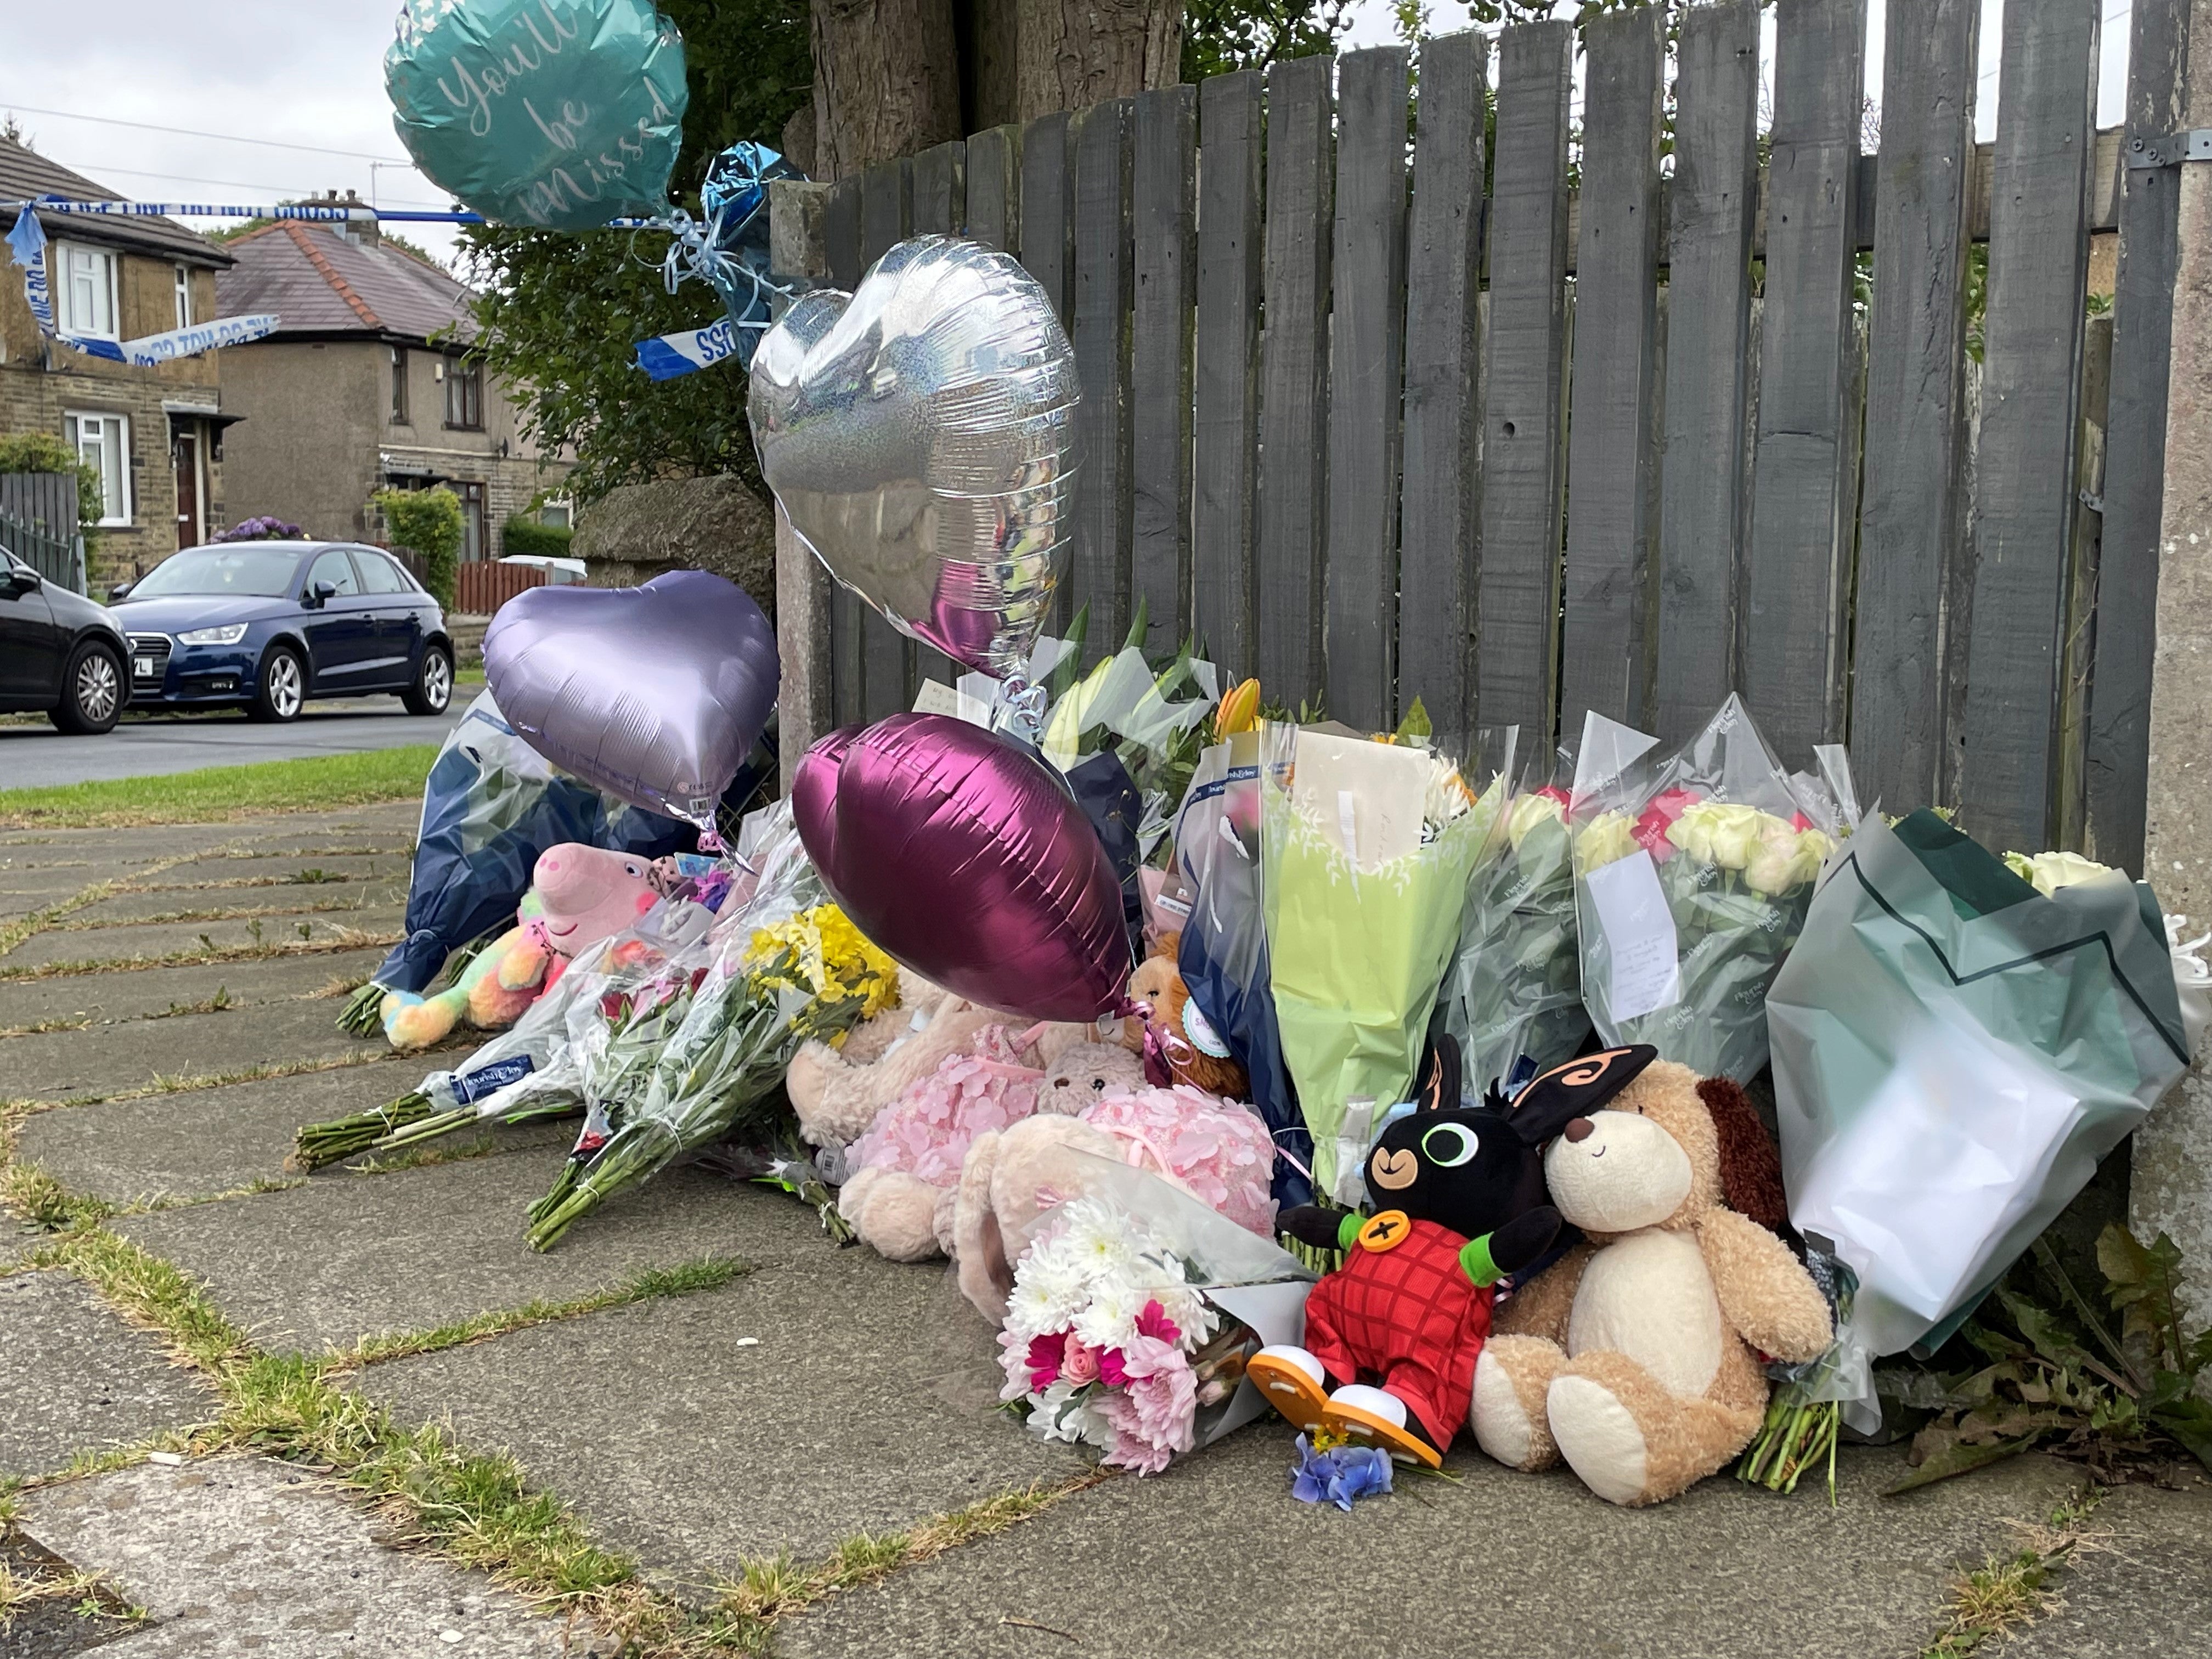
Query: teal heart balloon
column 563, row 113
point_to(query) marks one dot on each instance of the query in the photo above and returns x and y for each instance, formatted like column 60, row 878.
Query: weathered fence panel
column 2024, row 501
column 1691, row 439
column 1367, row 345
column 1440, row 500
column 39, row 525
column 1915, row 380
column 1702, row 483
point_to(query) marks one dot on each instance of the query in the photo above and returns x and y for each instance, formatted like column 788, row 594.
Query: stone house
column 364, row 386
column 156, row 435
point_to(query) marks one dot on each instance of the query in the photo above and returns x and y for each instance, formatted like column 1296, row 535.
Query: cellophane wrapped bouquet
column 1368, row 847
column 1134, row 1311
column 1515, row 988
column 683, row 1072
column 1693, row 870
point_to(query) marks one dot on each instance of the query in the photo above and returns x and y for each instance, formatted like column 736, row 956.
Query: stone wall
column 639, row 531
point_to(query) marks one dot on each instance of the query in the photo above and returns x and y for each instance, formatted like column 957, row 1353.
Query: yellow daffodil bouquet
column 1693, row 875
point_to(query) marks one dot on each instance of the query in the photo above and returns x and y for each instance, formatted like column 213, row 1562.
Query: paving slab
column 152, row 941
column 2148, row 1589
column 142, row 993
column 1215, row 1557
column 836, row 1393
column 322, row 1265
column 74, row 1378
column 40, row 888
column 69, row 1064
column 255, row 864
column 205, row 1141
column 30, row 848
column 274, row 904
column 241, row 1556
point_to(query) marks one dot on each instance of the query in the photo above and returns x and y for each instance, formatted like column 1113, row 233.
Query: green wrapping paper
column 1953, row 1055
column 1357, row 956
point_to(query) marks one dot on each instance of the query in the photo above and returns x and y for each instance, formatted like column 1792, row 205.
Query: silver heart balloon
column 920, row 434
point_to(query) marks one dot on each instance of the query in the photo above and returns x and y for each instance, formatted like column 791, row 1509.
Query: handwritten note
column 1643, row 964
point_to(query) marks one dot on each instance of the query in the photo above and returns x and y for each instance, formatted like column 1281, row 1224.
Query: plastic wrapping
column 1135, row 1310
column 1952, row 1055
column 1367, row 851
column 1515, row 988
column 1692, row 873
column 1223, row 956
column 492, row 804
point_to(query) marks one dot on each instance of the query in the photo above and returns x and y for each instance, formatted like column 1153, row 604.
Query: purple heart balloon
column 963, row 858
column 653, row 694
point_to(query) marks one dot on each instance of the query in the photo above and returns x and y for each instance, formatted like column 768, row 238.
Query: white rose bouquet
column 1692, row 873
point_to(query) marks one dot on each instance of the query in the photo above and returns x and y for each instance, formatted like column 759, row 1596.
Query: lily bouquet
column 1367, row 849
column 1515, row 988
column 1693, row 875
column 674, row 1083
column 1133, row 1313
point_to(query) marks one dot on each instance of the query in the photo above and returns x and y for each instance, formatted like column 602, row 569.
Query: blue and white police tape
column 686, row 353
column 151, row 349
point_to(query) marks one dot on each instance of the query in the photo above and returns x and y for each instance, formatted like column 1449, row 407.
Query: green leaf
column 2190, row 1422
column 2145, row 1280
column 1416, row 723
column 1957, row 1459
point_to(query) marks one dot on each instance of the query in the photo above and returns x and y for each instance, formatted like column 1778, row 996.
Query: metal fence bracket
column 2194, row 145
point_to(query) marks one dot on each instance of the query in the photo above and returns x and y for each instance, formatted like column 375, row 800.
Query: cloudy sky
column 303, row 80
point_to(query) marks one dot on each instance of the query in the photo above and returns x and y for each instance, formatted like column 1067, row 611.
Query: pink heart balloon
column 963, row 857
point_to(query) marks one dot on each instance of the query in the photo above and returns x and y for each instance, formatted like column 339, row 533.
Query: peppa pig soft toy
column 590, row 894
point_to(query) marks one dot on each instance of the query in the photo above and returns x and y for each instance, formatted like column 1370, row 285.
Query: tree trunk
column 1071, row 54
column 886, row 81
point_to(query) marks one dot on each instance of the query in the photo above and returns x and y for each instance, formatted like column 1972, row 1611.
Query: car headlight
column 230, row 633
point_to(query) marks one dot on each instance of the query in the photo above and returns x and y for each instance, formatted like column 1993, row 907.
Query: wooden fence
column 481, row 585
column 1529, row 427
column 39, row 525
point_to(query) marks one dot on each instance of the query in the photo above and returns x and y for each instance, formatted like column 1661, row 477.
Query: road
column 35, row 755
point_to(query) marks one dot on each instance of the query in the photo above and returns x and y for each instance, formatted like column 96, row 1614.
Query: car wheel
column 434, row 683
column 281, row 688
column 92, row 691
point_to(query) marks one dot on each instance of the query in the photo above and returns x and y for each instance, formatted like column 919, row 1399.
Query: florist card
column 1366, row 797
column 1643, row 966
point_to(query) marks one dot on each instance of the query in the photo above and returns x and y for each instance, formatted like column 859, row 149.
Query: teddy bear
column 1393, row 1336
column 1096, row 1104
column 500, row 981
column 1180, row 1045
column 835, row 1093
column 1636, row 1357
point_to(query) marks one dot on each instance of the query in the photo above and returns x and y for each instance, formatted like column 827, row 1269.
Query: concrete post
column 797, row 253
column 2172, row 1189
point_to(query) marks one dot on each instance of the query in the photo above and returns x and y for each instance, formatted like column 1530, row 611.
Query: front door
column 185, row 450
column 473, row 545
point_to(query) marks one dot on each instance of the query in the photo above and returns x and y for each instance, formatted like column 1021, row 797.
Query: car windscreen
column 241, row 572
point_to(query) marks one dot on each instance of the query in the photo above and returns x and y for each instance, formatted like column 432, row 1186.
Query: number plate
column 142, row 668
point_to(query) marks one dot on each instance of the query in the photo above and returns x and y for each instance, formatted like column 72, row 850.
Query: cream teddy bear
column 1635, row 1358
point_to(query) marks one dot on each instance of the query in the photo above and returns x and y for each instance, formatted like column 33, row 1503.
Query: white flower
column 1110, row 1318
column 1528, row 812
column 2049, row 872
column 1032, row 1309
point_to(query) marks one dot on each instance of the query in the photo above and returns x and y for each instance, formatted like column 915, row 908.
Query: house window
column 83, row 283
column 399, row 386
column 464, row 395
column 183, row 297
column 103, row 442
column 557, row 510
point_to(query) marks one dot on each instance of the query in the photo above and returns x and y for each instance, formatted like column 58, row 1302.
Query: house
column 156, row 434
column 363, row 385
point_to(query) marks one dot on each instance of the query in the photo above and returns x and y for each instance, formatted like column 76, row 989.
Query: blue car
column 270, row 624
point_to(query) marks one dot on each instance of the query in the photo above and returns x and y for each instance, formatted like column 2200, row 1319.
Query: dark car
column 271, row 625
column 59, row 652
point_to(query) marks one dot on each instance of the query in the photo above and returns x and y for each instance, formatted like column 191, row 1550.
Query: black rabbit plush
column 1458, row 1194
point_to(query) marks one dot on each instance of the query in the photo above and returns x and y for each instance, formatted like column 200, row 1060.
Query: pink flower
column 1552, row 792
column 1079, row 1363
column 1046, row 1358
column 1154, row 1418
column 1650, row 829
column 1154, row 1322
column 1112, row 1370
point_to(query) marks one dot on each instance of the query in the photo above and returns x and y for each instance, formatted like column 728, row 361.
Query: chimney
column 362, row 233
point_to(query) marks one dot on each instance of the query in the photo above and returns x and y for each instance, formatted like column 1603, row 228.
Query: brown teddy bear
column 1635, row 1358
column 1175, row 1036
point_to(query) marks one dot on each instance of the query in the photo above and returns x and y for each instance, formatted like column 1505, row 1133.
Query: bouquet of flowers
column 687, row 1074
column 1957, row 1043
column 1692, row 873
column 1367, row 850
column 1515, row 988
column 1135, row 1311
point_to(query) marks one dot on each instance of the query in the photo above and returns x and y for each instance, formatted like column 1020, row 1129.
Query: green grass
column 220, row 793
column 2007, row 1592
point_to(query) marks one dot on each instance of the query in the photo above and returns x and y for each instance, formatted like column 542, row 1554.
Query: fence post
column 2172, row 1189
column 798, row 250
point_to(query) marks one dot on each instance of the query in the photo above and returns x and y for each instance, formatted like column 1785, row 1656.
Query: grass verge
column 221, row 794
column 2007, row 1592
